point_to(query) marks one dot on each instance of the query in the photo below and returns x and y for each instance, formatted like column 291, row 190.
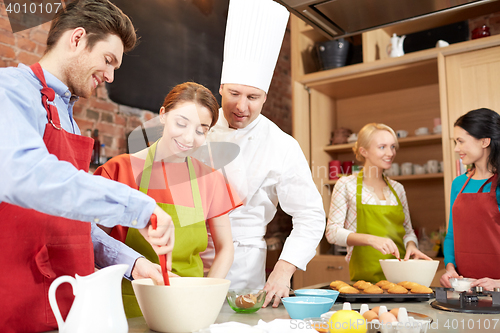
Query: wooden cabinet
column 326, row 268
column 470, row 81
column 406, row 93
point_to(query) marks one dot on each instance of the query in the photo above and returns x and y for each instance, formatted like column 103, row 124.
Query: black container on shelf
column 332, row 53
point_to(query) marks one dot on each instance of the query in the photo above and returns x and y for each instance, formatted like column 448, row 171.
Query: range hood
column 344, row 18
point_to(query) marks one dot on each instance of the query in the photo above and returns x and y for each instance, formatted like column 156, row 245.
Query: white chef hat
column 254, row 33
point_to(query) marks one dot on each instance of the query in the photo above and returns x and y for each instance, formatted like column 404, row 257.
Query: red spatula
column 163, row 257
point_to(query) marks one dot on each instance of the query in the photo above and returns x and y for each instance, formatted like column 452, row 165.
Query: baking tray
column 385, row 297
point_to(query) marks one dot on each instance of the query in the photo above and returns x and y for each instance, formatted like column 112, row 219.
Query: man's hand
column 413, row 252
column 278, row 283
column 162, row 238
column 450, row 273
column 143, row 269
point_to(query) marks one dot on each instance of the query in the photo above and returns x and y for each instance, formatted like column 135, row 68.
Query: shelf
column 411, row 70
column 398, row 178
column 404, row 142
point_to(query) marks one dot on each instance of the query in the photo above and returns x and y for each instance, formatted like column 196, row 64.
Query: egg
column 376, row 309
column 387, row 317
column 370, row 315
column 395, row 312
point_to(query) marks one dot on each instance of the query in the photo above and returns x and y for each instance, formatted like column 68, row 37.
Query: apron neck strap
column 147, row 170
column 492, row 179
column 359, row 187
column 48, row 94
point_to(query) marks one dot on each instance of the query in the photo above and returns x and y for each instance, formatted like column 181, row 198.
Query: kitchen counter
column 443, row 321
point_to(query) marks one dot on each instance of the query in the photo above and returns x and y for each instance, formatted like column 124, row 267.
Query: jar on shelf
column 480, row 32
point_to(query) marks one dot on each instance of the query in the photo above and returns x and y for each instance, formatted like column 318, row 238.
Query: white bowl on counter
column 187, row 305
column 414, row 270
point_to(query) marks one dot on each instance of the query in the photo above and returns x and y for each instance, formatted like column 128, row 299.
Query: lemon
column 347, row 321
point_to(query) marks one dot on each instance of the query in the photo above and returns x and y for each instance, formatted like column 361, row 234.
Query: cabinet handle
column 334, row 268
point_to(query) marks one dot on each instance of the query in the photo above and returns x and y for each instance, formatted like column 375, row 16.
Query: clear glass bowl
column 462, row 284
column 246, row 300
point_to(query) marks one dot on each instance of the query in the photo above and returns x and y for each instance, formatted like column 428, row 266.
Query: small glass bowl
column 462, row 284
column 317, row 323
column 241, row 300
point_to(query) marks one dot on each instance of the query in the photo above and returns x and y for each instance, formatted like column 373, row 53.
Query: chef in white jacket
column 270, row 166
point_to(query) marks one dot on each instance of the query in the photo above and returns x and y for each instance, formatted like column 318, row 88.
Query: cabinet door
column 322, row 269
column 472, row 82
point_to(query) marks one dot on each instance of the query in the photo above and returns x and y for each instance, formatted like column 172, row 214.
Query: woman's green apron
column 190, row 234
column 378, row 220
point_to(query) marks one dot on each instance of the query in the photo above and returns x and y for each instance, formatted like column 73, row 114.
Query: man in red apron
column 43, row 198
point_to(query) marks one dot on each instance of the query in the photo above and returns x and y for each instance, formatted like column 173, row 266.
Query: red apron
column 476, row 231
column 37, row 248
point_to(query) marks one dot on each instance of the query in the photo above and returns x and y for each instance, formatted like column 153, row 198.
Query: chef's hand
column 278, row 283
column 450, row 273
column 413, row 252
column 384, row 245
column 143, row 269
column 486, row 283
column 162, row 238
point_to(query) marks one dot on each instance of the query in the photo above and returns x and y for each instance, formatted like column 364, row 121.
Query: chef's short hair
column 365, row 137
column 195, row 93
column 99, row 18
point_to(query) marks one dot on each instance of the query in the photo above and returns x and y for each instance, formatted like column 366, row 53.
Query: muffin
column 348, row 290
column 373, row 290
column 397, row 289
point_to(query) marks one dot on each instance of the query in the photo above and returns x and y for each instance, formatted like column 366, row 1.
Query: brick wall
column 112, row 120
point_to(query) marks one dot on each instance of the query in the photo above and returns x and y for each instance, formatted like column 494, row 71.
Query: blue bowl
column 300, row 307
column 333, row 294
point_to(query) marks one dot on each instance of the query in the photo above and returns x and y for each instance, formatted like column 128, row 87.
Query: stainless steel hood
column 343, row 18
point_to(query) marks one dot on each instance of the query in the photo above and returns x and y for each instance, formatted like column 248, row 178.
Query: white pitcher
column 395, row 49
column 98, row 305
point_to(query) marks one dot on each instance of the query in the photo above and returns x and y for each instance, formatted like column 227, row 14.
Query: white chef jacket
column 270, row 168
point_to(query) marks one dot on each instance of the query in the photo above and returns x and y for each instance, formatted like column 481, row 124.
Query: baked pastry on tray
column 381, row 283
column 362, row 284
column 337, row 284
column 419, row 289
column 373, row 290
column 348, row 290
column 387, row 286
column 397, row 289
column 408, row 284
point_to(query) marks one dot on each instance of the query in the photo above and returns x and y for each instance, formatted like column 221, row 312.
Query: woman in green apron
column 188, row 190
column 369, row 212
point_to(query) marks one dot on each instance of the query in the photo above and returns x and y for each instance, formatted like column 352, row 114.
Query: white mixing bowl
column 419, row 271
column 188, row 304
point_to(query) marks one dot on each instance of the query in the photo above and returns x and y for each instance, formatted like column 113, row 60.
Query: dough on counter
column 348, row 290
column 419, row 289
column 397, row 289
column 373, row 290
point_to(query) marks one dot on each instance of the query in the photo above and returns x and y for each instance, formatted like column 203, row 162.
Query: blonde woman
column 369, row 212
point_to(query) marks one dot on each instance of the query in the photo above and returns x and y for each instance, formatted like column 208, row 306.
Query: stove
column 474, row 301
